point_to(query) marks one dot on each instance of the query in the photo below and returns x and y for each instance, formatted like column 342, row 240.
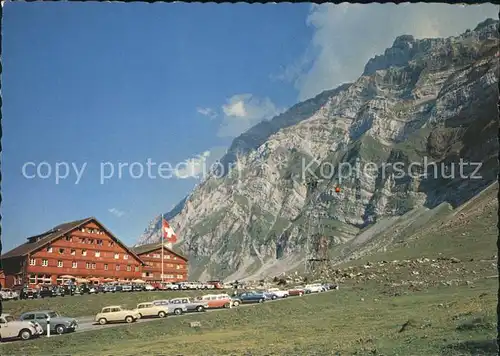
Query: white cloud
column 207, row 112
column 199, row 166
column 243, row 111
column 236, row 107
column 192, row 167
column 116, row 212
column 347, row 35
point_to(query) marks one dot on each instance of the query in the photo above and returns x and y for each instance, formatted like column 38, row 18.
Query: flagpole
column 162, row 243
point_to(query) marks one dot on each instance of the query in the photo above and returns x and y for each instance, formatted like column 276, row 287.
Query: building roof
column 39, row 241
column 142, row 249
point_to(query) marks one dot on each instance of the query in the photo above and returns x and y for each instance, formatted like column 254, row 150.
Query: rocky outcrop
column 421, row 102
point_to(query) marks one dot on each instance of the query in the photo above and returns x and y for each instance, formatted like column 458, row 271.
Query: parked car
column 69, row 289
column 138, row 288
column 314, row 288
column 116, row 313
column 28, row 293
column 108, row 288
column 149, row 288
column 251, row 297
column 126, row 288
column 8, row 294
column 217, row 300
column 191, row 305
column 13, row 329
column 269, row 295
column 330, row 286
column 51, row 291
column 176, row 309
column 296, row 291
column 216, row 284
column 58, row 324
column 278, row 292
column 150, row 309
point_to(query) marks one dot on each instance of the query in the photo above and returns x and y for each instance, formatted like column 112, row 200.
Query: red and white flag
column 168, row 233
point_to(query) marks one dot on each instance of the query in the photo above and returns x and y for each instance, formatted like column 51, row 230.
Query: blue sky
column 87, row 83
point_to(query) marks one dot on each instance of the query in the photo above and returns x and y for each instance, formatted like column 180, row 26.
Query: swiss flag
column 168, row 233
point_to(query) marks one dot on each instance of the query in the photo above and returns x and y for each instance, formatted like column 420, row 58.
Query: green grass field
column 436, row 294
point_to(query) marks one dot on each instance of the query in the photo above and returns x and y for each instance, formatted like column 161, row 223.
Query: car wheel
column 261, row 300
column 102, row 321
column 25, row 334
column 129, row 319
column 162, row 314
column 236, row 303
column 60, row 329
column 273, row 297
column 227, row 305
column 178, row 311
column 200, row 308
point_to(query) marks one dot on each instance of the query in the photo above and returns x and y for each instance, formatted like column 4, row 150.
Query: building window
column 144, row 274
column 179, row 276
column 117, row 267
column 69, row 238
column 49, row 249
column 168, row 257
column 98, row 254
column 84, row 252
column 117, row 256
column 105, row 266
column 91, row 241
column 125, row 257
column 136, row 268
column 111, row 243
column 129, row 268
column 45, row 263
column 87, row 265
column 61, row 250
column 32, row 262
column 73, row 252
column 99, row 242
column 74, row 264
column 177, row 267
column 59, row 263
column 93, row 265
column 175, row 257
column 32, row 279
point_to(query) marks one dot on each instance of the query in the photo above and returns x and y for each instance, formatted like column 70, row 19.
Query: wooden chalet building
column 76, row 251
column 175, row 264
column 2, row 279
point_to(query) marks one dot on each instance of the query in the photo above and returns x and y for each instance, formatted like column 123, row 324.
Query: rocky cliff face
column 421, row 102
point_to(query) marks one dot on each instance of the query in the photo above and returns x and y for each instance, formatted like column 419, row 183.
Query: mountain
column 424, row 101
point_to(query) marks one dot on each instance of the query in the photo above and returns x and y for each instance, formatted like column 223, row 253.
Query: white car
column 11, row 328
column 149, row 288
column 314, row 288
column 279, row 293
column 8, row 294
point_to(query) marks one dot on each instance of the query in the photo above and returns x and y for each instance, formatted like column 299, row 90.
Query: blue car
column 251, row 297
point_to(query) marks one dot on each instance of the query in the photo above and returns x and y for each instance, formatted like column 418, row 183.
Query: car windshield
column 9, row 318
column 53, row 314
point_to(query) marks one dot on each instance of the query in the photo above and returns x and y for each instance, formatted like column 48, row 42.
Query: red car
column 216, row 284
column 296, row 291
